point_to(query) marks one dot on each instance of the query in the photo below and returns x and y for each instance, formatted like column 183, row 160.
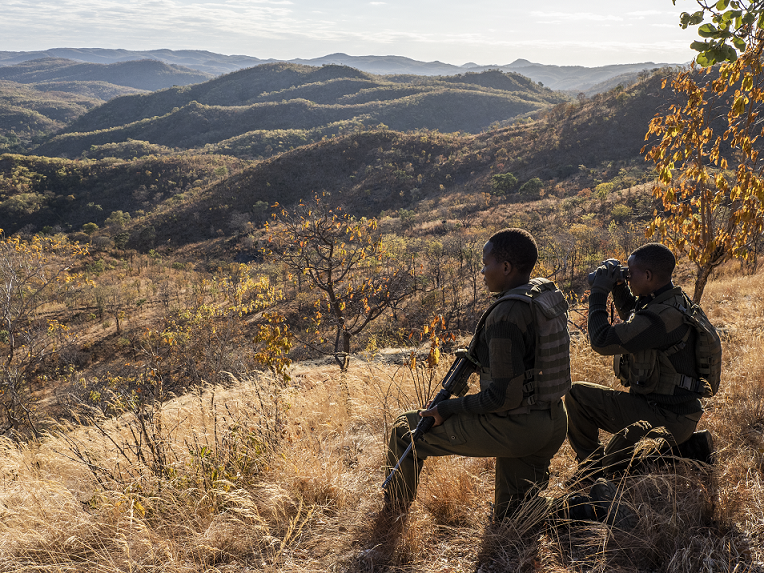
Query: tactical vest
column 651, row 372
column 549, row 379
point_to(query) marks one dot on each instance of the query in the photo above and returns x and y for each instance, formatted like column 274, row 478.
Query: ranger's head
column 650, row 268
column 508, row 259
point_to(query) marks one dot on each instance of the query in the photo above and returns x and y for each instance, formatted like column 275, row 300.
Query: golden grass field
column 259, row 477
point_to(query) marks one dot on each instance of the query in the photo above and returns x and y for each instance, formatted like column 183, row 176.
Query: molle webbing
column 549, row 379
column 651, row 372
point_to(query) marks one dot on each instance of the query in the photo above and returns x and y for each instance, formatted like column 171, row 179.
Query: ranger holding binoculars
column 665, row 352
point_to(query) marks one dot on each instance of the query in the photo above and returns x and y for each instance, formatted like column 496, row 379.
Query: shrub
column 532, row 186
column 621, row 212
column 604, row 189
column 89, row 228
column 502, row 183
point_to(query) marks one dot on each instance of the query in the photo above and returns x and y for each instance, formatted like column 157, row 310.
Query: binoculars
column 622, row 274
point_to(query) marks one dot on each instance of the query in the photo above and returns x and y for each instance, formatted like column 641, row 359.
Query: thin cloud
column 575, row 17
column 62, row 20
column 301, row 28
column 645, row 13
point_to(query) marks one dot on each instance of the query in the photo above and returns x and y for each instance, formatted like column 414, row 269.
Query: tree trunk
column 701, row 279
column 346, row 350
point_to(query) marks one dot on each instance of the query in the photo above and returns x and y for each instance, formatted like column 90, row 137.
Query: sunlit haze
column 588, row 32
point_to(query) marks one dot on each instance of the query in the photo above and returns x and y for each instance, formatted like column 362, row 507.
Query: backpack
column 650, row 371
column 708, row 348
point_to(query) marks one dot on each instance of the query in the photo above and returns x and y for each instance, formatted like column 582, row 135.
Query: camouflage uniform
column 592, row 407
column 492, row 422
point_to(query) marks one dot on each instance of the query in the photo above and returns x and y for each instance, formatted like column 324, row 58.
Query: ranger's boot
column 699, row 447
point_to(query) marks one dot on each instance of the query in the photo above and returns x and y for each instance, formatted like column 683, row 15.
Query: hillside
column 149, row 75
column 570, row 78
column 291, row 97
column 573, row 146
column 28, row 113
column 56, row 193
column 40, row 97
column 260, row 474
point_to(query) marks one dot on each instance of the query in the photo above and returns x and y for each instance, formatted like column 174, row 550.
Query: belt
column 525, row 409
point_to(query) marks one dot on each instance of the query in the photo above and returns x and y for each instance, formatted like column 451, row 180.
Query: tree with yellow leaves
column 711, row 178
column 345, row 262
column 32, row 274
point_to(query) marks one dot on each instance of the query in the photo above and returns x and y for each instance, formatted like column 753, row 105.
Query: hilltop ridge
column 145, row 74
column 571, row 78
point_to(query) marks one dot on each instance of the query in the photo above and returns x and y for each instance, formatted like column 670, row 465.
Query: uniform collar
column 644, row 300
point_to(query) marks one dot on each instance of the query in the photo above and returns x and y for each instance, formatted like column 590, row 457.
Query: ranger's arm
column 645, row 330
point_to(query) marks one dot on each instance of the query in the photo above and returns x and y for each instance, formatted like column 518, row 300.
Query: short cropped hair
column 656, row 258
column 516, row 246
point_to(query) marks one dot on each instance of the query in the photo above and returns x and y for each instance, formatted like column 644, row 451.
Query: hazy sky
column 586, row 32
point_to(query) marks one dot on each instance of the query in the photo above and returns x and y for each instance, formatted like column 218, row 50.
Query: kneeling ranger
column 666, row 353
column 522, row 347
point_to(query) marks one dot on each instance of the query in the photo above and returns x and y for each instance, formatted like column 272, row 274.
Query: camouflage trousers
column 523, row 445
column 592, row 407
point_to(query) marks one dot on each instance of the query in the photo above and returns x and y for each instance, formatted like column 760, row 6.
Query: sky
column 561, row 32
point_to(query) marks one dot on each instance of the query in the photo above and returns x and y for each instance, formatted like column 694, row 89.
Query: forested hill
column 41, row 97
column 149, row 75
column 591, row 143
column 294, row 97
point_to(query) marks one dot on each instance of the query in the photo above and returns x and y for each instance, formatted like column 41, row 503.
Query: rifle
column 455, row 383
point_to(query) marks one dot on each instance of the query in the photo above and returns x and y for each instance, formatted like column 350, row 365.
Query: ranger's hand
column 432, row 413
column 606, row 276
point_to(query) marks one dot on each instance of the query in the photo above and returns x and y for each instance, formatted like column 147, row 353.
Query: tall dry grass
column 256, row 477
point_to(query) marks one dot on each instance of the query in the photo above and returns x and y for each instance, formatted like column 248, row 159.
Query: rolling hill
column 28, row 113
column 572, row 146
column 294, row 97
column 148, row 75
column 40, row 97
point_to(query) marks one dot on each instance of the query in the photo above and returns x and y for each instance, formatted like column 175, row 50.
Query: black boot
column 610, row 507
column 699, row 447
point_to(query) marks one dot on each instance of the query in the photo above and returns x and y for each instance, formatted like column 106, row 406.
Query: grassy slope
column 308, row 502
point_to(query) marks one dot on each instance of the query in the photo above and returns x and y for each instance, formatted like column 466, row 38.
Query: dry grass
column 259, row 478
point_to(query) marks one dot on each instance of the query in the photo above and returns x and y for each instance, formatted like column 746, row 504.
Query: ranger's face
column 495, row 273
column 640, row 281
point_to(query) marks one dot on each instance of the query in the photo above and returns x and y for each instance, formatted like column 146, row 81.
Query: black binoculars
column 622, row 274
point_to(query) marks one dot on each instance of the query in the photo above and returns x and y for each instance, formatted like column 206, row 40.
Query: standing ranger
column 522, row 348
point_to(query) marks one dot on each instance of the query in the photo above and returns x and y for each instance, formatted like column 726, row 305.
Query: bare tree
column 345, row 261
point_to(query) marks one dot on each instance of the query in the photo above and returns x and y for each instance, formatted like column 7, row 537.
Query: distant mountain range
column 569, row 78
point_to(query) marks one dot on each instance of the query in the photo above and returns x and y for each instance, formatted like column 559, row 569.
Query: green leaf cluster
column 733, row 26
